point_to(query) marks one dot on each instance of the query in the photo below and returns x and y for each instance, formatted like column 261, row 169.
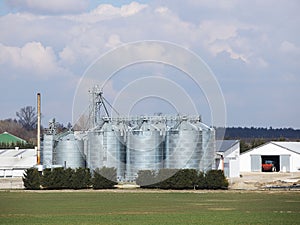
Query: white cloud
column 85, row 45
column 107, row 12
column 262, row 63
column 217, row 30
column 219, row 37
column 31, row 59
column 113, row 41
column 218, row 48
column 38, row 41
column 67, row 56
column 289, row 48
column 213, row 4
column 162, row 10
column 132, row 8
column 49, row 7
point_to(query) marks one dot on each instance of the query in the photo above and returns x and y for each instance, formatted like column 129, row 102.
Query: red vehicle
column 269, row 165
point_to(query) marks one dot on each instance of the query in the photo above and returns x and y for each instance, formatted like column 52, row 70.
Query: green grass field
column 124, row 207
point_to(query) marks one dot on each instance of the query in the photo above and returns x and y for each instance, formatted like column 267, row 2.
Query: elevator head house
column 272, row 156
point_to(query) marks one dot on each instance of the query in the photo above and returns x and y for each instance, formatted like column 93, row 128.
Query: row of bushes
column 21, row 145
column 105, row 178
column 60, row 178
column 182, row 179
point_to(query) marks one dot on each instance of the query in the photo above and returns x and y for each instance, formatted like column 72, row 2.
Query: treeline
column 258, row 133
column 60, row 178
column 248, row 144
column 253, row 137
column 15, row 128
column 182, row 179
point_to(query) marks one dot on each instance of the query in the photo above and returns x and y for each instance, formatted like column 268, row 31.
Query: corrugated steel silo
column 94, row 152
column 106, row 147
column 145, row 145
column 183, row 147
column 209, row 149
column 114, row 153
column 68, row 151
column 47, row 150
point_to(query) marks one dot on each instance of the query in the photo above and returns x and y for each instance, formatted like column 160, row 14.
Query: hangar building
column 286, row 156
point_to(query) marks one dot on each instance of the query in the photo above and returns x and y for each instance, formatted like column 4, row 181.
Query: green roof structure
column 7, row 138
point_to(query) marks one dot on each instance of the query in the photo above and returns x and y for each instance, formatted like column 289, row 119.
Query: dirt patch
column 264, row 180
column 221, row 209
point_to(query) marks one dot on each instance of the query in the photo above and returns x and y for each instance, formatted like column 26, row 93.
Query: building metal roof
column 8, row 138
column 289, row 145
column 224, row 145
column 17, row 158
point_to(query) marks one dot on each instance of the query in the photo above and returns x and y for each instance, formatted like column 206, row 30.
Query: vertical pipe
column 222, row 161
column 38, row 129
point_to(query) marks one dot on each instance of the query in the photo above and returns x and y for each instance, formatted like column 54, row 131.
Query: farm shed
column 13, row 162
column 285, row 155
column 9, row 139
column 227, row 159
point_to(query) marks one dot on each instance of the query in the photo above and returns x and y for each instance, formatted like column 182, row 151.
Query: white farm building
column 227, row 159
column 14, row 162
column 286, row 156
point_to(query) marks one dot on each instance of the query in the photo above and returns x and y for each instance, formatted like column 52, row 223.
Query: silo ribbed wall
column 106, row 148
column 145, row 146
column 69, row 152
column 183, row 147
column 47, row 151
column 208, row 158
column 150, row 143
column 114, row 154
column 94, row 153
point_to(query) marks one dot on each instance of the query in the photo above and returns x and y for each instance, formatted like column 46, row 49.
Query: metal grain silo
column 209, row 149
column 94, row 149
column 145, row 143
column 183, row 147
column 68, row 151
column 114, row 153
column 106, row 147
column 47, row 150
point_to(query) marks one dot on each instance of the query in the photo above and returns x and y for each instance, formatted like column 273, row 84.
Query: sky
column 251, row 47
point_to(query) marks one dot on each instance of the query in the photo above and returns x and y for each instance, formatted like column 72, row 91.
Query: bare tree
column 82, row 123
column 14, row 127
column 27, row 117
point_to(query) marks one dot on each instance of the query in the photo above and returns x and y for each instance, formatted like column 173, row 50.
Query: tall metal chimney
column 38, row 159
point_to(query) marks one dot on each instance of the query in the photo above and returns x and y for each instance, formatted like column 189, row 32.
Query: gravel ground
column 261, row 180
